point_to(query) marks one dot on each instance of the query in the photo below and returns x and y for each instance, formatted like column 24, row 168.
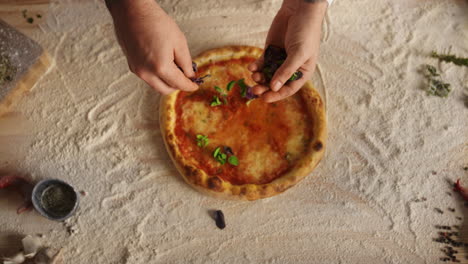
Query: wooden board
column 28, row 59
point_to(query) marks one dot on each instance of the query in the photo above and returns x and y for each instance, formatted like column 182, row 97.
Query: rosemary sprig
column 450, row 58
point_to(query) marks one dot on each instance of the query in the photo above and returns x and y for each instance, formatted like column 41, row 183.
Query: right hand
column 154, row 45
column 296, row 28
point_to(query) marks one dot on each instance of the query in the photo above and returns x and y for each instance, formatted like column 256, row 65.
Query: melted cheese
column 266, row 138
column 203, row 121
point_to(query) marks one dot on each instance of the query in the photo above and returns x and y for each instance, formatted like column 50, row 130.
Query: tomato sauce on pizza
column 265, row 138
column 228, row 144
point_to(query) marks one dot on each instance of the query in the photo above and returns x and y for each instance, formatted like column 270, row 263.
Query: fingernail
column 276, row 86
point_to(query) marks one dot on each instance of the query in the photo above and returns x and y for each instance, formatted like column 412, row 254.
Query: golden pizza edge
column 216, row 186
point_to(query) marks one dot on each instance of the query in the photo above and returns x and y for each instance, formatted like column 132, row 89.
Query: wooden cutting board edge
column 25, row 84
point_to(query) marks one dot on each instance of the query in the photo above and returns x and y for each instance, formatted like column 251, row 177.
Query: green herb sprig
column 450, row 58
column 220, row 91
column 435, row 85
column 215, row 101
column 233, row 160
column 296, row 76
column 230, row 85
column 202, row 140
column 243, row 87
column 219, row 156
column 222, row 158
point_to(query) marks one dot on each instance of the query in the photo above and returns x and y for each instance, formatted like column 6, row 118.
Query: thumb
column 292, row 63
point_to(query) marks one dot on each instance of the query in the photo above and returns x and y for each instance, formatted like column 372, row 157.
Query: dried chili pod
column 21, row 186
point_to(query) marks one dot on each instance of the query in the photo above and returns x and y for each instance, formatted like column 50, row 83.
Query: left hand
column 297, row 28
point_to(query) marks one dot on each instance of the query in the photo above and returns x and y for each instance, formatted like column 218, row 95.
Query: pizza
column 228, row 144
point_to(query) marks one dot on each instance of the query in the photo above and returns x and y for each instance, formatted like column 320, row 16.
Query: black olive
column 219, row 217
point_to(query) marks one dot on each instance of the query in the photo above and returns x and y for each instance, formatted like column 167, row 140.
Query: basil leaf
column 243, row 87
column 221, row 160
column 230, row 85
column 219, row 90
column 215, row 101
column 296, row 76
column 216, row 152
column 199, row 80
column 241, row 83
column 202, row 140
column 233, row 161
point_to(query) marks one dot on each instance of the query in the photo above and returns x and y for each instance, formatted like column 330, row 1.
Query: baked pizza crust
column 216, row 186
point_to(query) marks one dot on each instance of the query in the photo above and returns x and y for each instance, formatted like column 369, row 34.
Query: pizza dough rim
column 216, row 186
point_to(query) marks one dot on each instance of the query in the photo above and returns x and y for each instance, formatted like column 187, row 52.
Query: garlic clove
column 17, row 259
column 31, row 245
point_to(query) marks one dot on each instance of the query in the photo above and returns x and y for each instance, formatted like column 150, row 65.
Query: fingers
column 156, row 83
column 292, row 63
column 258, row 77
column 175, row 78
column 256, row 65
column 259, row 89
column 285, row 91
column 183, row 59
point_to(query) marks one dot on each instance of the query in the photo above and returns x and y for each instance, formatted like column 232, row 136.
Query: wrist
column 110, row 4
column 313, row 6
column 119, row 7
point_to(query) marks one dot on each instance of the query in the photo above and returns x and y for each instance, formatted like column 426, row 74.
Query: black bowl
column 67, row 192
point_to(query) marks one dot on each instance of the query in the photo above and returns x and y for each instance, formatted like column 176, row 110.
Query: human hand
column 297, row 28
column 154, row 45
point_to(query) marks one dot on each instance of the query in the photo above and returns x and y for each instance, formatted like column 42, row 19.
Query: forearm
column 117, row 7
column 316, row 1
column 110, row 4
column 294, row 7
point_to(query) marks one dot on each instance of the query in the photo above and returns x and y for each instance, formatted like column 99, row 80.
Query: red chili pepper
column 21, row 186
column 10, row 180
column 460, row 189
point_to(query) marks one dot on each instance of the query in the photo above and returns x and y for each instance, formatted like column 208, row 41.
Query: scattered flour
column 96, row 127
